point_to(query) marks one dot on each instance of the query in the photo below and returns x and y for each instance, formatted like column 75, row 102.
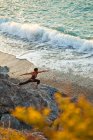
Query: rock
column 12, row 96
column 50, row 90
column 74, row 99
column 24, row 126
column 64, row 95
column 39, row 135
column 4, row 72
column 10, row 122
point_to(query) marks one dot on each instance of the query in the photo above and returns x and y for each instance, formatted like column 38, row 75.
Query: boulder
column 12, row 96
column 4, row 72
column 10, row 122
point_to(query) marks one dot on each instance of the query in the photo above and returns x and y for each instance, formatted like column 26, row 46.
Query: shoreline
column 64, row 82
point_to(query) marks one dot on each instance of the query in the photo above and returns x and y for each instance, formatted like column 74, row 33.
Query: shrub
column 9, row 134
column 74, row 121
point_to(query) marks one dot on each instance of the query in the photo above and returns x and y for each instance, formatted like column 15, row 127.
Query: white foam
column 76, row 66
column 36, row 33
column 73, row 59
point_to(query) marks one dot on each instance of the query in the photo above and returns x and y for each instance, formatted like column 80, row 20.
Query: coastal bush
column 9, row 134
column 74, row 121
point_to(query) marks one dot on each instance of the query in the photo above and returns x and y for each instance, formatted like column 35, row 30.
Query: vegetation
column 74, row 121
column 9, row 134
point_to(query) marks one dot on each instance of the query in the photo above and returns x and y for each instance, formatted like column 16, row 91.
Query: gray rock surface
column 9, row 121
column 12, row 96
column 4, row 72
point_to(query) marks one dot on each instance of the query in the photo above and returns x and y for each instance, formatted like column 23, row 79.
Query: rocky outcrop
column 4, row 72
column 12, row 96
column 8, row 121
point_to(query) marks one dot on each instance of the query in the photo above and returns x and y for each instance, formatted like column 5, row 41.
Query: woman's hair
column 35, row 69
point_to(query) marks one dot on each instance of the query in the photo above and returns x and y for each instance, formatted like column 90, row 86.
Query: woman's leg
column 23, row 83
column 38, row 82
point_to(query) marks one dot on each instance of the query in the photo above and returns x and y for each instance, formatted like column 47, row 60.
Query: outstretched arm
column 43, row 71
column 26, row 74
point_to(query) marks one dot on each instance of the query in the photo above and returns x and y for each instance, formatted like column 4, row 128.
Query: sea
column 52, row 34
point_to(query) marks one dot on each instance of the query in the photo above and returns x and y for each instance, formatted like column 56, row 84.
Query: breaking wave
column 37, row 33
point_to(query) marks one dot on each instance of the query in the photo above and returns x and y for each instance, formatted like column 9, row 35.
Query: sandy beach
column 67, row 83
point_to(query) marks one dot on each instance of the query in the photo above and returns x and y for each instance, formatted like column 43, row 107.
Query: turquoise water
column 68, row 16
column 55, row 34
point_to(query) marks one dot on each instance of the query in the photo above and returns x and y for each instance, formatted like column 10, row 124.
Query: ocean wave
column 37, row 33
